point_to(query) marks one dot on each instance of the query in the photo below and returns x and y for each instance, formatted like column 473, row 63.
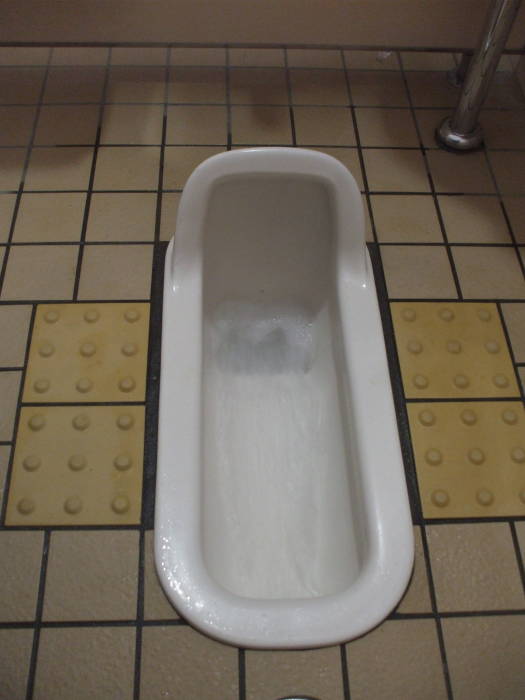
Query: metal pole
column 461, row 131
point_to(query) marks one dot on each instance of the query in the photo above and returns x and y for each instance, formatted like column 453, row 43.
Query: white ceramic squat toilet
column 282, row 516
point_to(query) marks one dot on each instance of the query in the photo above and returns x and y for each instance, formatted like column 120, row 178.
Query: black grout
column 241, row 673
column 38, row 617
column 344, row 672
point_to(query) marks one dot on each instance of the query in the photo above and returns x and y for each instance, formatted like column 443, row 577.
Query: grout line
column 289, row 91
column 241, row 670
column 344, row 672
column 38, row 617
column 160, row 182
column 517, row 551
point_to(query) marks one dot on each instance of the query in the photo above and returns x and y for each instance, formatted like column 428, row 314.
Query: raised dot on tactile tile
column 84, row 385
column 468, row 417
column 31, row 463
column 427, row 418
column 51, row 316
column 484, row 497
column 440, row 498
column 46, row 349
column 433, row 457
column 36, row 422
column 454, row 346
column 476, row 456
column 126, row 384
column 446, row 314
column 492, row 346
column 131, row 315
column 129, row 349
column 518, row 455
column 461, row 381
column 122, row 462
column 484, row 315
column 81, row 421
column 125, row 421
column 420, row 381
column 76, row 462
column 41, row 386
column 91, row 315
column 500, row 380
column 25, row 506
column 414, row 346
column 73, row 505
column 120, row 504
column 509, row 416
column 88, row 349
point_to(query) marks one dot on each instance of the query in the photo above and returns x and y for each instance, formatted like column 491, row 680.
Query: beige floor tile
column 7, row 205
column 431, row 89
column 485, row 657
column 67, row 124
column 474, row 220
column 168, row 219
column 314, row 58
column 261, row 126
column 386, row 127
column 5, row 453
column 406, row 219
column 196, row 125
column 16, row 124
column 20, row 580
column 349, row 157
column 79, row 56
column 9, row 390
column 14, row 322
column 20, row 85
column 396, row 170
column 40, row 272
column 509, row 170
column 515, row 208
column 50, row 217
column 74, row 84
column 324, row 125
column 156, row 604
column 11, row 164
column 467, row 172
column 198, row 57
column 514, row 316
column 85, row 663
column 521, row 372
column 59, row 169
column 115, row 272
column 428, row 120
column 418, row 272
column 132, row 124
column 315, row 672
column 474, row 567
column 319, row 87
column 122, row 216
column 377, row 89
column 136, row 84
column 181, row 663
column 503, row 129
column 505, row 92
column 417, row 595
column 371, row 60
column 15, row 655
column 489, row 273
column 23, row 55
column 261, row 58
column 181, row 161
column 197, row 85
column 369, row 234
column 258, row 86
column 139, row 56
column 127, row 168
column 92, row 576
column 520, row 531
column 428, row 60
column 399, row 659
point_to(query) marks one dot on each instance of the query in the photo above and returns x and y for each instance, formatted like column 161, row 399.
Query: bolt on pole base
column 457, row 141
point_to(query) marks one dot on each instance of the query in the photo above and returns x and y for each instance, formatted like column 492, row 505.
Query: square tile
column 116, row 272
column 509, row 170
column 371, row 60
column 180, row 662
column 514, row 316
column 319, row 87
column 474, row 220
column 395, row 170
column 399, row 659
column 19, row 585
column 23, row 55
column 505, row 92
column 489, row 273
column 47, row 217
column 469, row 458
column 21, row 84
column 503, row 129
column 74, row 84
column 16, row 125
column 156, row 604
column 40, row 272
column 67, row 124
column 85, row 663
column 197, row 85
column 197, row 56
column 127, row 168
column 258, row 86
column 452, row 350
column 92, row 576
column 14, row 322
column 431, row 89
column 256, row 57
column 261, row 125
column 428, row 120
column 77, row 465
column 406, row 218
column 88, row 353
column 138, row 56
column 386, row 127
column 7, row 205
column 520, row 531
column 349, row 157
column 474, row 567
column 181, row 161
column 515, row 208
column 136, row 84
column 15, row 656
column 11, row 164
column 314, row 58
column 428, row 60
column 324, row 125
column 418, row 271
column 197, row 125
column 122, row 216
column 377, row 89
column 485, row 656
column 59, row 169
column 170, row 207
column 464, row 173
column 9, row 390
column 272, row 674
column 417, row 595
column 132, row 124
column 79, row 56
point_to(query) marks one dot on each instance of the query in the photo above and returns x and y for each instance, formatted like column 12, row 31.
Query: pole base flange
column 452, row 140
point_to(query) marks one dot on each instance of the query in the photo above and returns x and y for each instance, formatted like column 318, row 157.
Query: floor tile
column 21, row 84
column 115, row 272
column 503, row 129
column 514, row 316
column 59, row 169
column 132, row 168
column 485, row 657
column 319, row 87
column 55, row 217
column 139, row 56
column 258, row 86
column 395, row 170
column 406, row 219
column 261, row 125
column 201, row 56
column 371, row 60
column 7, row 205
column 386, row 127
column 431, row 89
column 156, row 604
column 489, row 273
column 92, row 576
column 521, row 372
column 15, row 655
column 505, row 92
column 122, row 216
column 324, row 125
column 520, row 531
column 79, row 56
column 67, row 124
column 74, row 84
column 85, row 663
column 418, row 272
column 77, row 465
column 272, row 674
column 14, row 322
column 428, row 120
column 509, row 170
column 132, row 124
column 474, row 219
column 197, row 125
column 515, row 208
column 256, row 57
column 467, row 172
column 9, row 390
column 11, row 164
column 428, row 60
column 452, row 350
column 314, row 58
column 417, row 595
column 5, row 455
column 197, row 85
column 170, row 206
column 20, row 580
column 40, row 272
column 136, row 84
column 88, row 353
column 24, row 55
column 399, row 659
column 16, row 124
column 377, row 89
column 349, row 157
column 180, row 662
column 181, row 161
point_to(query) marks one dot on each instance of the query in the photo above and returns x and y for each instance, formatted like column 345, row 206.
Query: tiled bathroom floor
column 95, row 148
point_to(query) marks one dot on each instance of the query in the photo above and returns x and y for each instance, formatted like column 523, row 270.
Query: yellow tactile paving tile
column 452, row 350
column 470, row 458
column 88, row 353
column 77, row 465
